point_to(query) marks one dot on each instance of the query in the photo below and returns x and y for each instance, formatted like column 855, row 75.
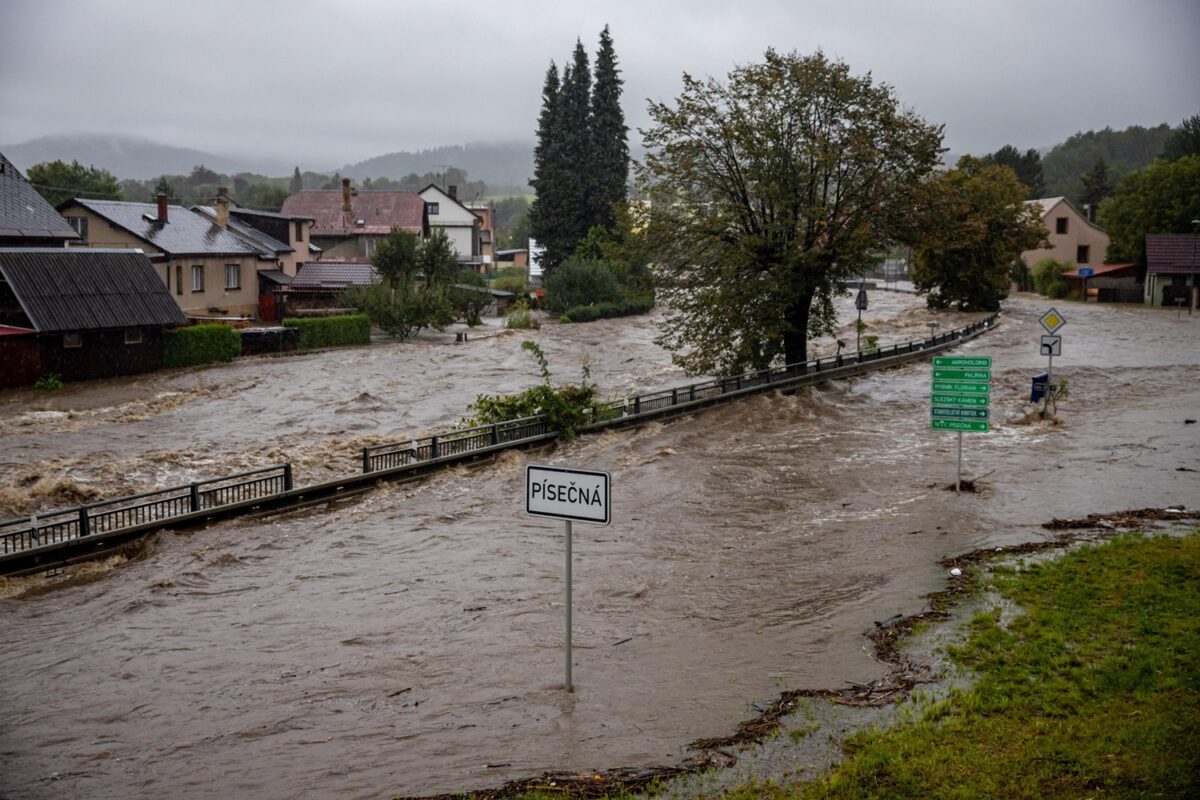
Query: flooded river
column 410, row 640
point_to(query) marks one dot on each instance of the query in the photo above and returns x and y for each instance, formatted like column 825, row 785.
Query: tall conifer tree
column 547, row 164
column 609, row 168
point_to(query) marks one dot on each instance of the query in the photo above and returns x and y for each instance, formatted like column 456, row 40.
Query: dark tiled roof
column 266, row 244
column 250, row 213
column 83, row 288
column 275, row 276
column 1172, row 252
column 25, row 214
column 380, row 211
column 334, row 275
column 185, row 233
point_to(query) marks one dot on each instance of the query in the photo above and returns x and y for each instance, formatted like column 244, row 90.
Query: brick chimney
column 222, row 207
column 346, row 209
column 162, row 208
column 452, row 190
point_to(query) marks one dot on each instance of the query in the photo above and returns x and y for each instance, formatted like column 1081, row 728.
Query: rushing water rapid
column 410, row 640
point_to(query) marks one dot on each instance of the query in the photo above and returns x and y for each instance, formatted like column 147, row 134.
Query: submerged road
column 403, row 642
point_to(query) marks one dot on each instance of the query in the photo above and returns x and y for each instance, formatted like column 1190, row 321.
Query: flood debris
column 1124, row 519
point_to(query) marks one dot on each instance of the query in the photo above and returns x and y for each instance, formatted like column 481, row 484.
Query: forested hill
column 1125, row 151
column 497, row 163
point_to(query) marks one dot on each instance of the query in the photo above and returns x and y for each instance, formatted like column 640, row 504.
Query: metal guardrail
column 108, row 516
column 24, row 541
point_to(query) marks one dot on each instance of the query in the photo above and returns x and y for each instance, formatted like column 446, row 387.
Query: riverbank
column 1074, row 676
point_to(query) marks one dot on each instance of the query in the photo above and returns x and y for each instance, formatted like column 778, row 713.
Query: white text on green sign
column 944, row 412
column 962, row 400
column 961, row 374
column 960, row 387
column 967, row 425
column 962, row 361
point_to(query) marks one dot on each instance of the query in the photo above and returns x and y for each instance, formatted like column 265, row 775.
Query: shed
column 86, row 313
column 1108, row 283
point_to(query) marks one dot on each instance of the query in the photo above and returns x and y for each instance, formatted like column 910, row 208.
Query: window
column 368, row 246
column 299, row 230
column 197, row 278
column 72, row 340
column 432, row 208
column 80, row 226
column 1081, row 254
column 133, row 336
column 179, row 279
column 233, row 276
column 1060, row 225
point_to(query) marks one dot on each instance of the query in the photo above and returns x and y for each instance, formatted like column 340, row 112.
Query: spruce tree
column 297, row 184
column 609, row 167
column 545, row 211
column 575, row 136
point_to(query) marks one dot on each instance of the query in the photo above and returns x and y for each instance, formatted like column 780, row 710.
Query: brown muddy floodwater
column 410, row 640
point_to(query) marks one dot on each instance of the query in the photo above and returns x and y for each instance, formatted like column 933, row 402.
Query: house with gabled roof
column 1074, row 239
column 26, row 218
column 351, row 223
column 80, row 313
column 1173, row 269
column 461, row 225
column 210, row 272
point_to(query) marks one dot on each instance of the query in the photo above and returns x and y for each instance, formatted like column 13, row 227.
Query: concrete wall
column 1064, row 246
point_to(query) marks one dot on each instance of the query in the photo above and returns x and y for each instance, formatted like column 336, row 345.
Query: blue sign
column 1086, row 272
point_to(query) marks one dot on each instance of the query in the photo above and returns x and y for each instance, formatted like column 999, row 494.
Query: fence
column 108, row 516
column 58, row 529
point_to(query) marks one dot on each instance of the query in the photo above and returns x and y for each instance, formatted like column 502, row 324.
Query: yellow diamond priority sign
column 1052, row 320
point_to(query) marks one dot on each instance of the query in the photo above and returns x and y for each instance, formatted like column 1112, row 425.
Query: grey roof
column 84, row 288
column 184, row 234
column 275, row 276
column 253, row 212
column 334, row 275
column 266, row 245
column 25, row 214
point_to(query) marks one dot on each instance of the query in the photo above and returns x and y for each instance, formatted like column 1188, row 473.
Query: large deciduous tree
column 58, row 181
column 1162, row 198
column 767, row 190
column 976, row 225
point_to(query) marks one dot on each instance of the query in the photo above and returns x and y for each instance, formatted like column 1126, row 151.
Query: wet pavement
column 410, row 641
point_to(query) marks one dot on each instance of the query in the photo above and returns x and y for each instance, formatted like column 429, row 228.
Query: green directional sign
column 961, row 374
column 945, row 412
column 962, row 361
column 960, row 387
column 966, row 425
column 961, row 400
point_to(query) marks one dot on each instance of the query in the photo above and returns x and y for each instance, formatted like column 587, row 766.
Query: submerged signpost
column 1050, row 347
column 570, row 495
column 960, row 391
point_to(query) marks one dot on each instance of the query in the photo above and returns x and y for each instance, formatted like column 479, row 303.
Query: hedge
column 331, row 331
column 200, row 344
column 623, row 308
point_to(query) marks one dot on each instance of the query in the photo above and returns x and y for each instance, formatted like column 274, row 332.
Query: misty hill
column 496, row 163
column 129, row 157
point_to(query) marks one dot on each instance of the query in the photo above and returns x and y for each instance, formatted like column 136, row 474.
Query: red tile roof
column 1172, row 252
column 333, row 275
column 378, row 210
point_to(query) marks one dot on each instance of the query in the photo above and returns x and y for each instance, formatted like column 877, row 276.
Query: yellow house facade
column 208, row 271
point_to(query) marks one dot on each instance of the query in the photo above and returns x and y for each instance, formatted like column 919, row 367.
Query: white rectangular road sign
column 568, row 494
column 1051, row 346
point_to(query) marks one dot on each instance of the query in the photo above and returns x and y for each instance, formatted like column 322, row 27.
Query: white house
column 459, row 222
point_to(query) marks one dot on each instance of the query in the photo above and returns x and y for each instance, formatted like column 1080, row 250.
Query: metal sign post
column 570, row 495
column 961, row 388
column 860, row 302
column 1051, row 321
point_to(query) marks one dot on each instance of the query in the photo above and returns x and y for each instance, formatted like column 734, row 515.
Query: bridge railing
column 107, row 516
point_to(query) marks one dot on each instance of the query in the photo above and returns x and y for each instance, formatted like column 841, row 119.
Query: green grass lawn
column 1092, row 692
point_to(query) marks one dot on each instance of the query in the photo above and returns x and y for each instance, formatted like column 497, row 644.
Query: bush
column 510, row 283
column 314, row 332
column 49, row 383
column 581, row 283
column 621, row 308
column 201, row 344
column 521, row 319
column 566, row 408
column 1048, row 280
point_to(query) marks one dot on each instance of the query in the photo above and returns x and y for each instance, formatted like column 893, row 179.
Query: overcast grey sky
column 326, row 83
